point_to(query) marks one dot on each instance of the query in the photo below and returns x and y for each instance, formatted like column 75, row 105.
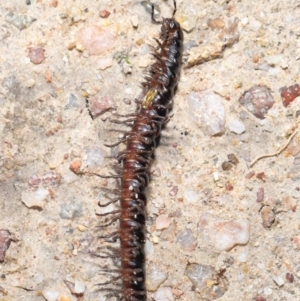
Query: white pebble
column 155, row 277
column 278, row 280
column 190, row 196
column 30, row 83
column 224, row 235
column 79, row 287
column 50, row 295
column 243, row 256
column 35, row 198
column 164, row 294
column 216, row 176
column 268, row 291
column 231, row 233
column 236, row 126
column 134, row 21
column 207, row 110
column 93, row 158
column 254, row 25
column 149, row 248
column 104, row 63
column 38, row 278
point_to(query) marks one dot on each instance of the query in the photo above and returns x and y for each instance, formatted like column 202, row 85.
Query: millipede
column 133, row 165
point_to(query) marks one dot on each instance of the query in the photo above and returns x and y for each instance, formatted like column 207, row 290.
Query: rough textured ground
column 44, row 126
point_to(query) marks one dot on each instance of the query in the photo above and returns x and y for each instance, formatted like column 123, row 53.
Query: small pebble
column 257, row 100
column 254, row 25
column 188, row 15
column 35, row 199
column 79, row 287
column 134, row 21
column 233, row 159
column 50, row 295
column 19, row 21
column 104, row 13
column 268, row 291
column 163, row 294
column 155, row 239
column 260, row 195
column 81, row 228
column 155, row 277
column 236, row 126
column 104, row 63
column 36, row 54
column 96, row 39
column 224, row 235
column 186, row 239
column 93, row 159
column 162, row 222
column 75, row 166
column 207, row 280
column 226, row 165
column 100, row 105
column 70, row 211
column 207, row 110
column 289, row 277
column 149, row 248
column 288, row 94
column 49, row 179
column 30, row 83
column 250, row 175
column 267, row 216
column 278, row 280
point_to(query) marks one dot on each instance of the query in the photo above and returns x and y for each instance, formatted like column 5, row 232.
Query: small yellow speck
column 155, row 239
column 81, row 228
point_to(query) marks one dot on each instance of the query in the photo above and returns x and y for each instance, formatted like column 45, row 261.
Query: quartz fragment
column 207, row 110
column 155, row 277
column 70, row 211
column 278, row 280
column 224, row 235
column 79, row 287
column 99, row 106
column 162, row 222
column 257, row 100
column 96, row 39
column 93, row 158
column 186, row 239
column 50, row 295
column 164, row 294
column 236, row 126
column 35, row 199
column 211, row 284
column 187, row 17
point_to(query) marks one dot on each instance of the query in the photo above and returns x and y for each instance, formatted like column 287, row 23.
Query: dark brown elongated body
column 134, row 163
column 160, row 87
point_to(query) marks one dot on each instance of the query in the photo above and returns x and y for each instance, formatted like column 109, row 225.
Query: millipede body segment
column 134, row 162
